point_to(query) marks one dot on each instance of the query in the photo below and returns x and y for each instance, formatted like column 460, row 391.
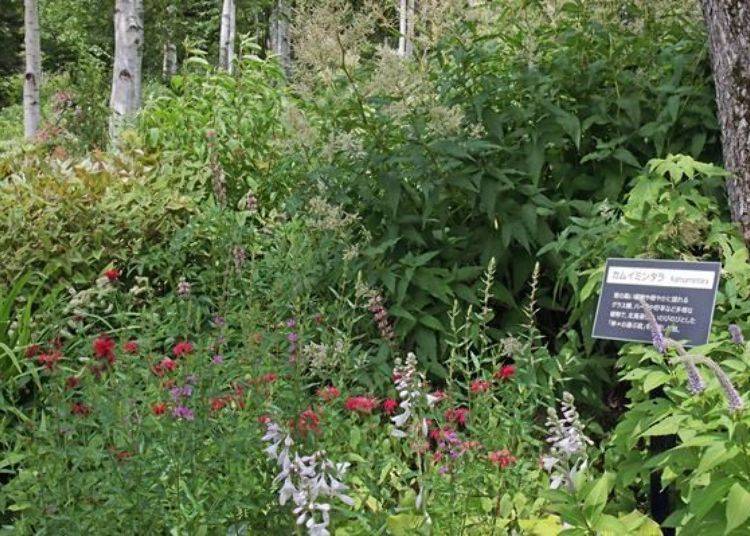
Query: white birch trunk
column 279, row 34
column 227, row 36
column 728, row 23
column 125, row 100
column 406, row 16
column 32, row 115
column 169, row 65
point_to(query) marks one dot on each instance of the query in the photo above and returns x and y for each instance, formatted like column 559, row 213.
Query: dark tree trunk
column 728, row 24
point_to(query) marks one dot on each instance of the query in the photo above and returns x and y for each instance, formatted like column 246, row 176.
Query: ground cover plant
column 343, row 281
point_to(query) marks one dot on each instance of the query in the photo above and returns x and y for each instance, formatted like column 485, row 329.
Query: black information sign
column 681, row 295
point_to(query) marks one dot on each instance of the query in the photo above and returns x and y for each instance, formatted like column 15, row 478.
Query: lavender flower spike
column 657, row 335
column 736, row 334
column 696, row 385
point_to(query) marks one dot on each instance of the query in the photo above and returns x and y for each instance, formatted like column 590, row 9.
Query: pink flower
column 361, row 404
column 506, row 372
column 501, row 458
column 457, row 415
column 328, row 393
column 480, row 386
column 389, row 406
column 130, row 347
column 182, row 348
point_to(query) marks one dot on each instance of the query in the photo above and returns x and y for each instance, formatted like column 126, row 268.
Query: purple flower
column 736, row 334
column 184, row 413
column 218, row 321
column 291, row 323
column 218, row 359
column 292, row 337
column 443, row 469
column 657, row 335
column 181, row 392
column 696, row 384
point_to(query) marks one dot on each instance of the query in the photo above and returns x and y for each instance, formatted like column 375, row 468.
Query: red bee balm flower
column 501, row 458
column 72, row 382
column 159, row 409
column 389, row 406
column 182, row 348
column 269, row 378
column 130, row 347
column 308, row 421
column 104, row 348
column 480, row 386
column 113, row 274
column 361, row 404
column 506, row 372
column 328, row 393
column 49, row 360
column 457, row 415
column 218, row 403
column 80, row 409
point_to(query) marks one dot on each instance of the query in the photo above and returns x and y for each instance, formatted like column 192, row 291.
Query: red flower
column 72, row 382
column 166, row 365
column 159, row 409
column 104, row 348
column 122, row 455
column 218, row 403
column 328, row 393
column 130, row 347
column 80, row 409
column 506, row 372
column 264, row 419
column 33, row 350
column 182, row 348
column 389, row 406
column 501, row 458
column 113, row 274
column 269, row 378
column 361, row 404
column 49, row 360
column 480, row 386
column 308, row 421
column 457, row 415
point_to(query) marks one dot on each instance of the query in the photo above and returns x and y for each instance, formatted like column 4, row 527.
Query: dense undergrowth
column 215, row 319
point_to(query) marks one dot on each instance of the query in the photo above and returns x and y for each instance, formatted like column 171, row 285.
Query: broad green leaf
column 738, row 507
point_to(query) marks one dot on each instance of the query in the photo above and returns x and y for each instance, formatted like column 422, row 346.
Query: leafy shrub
column 68, row 220
column 486, row 147
column 209, row 123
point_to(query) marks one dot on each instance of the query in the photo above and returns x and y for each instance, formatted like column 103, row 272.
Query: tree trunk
column 169, row 66
column 728, row 24
column 406, row 15
column 279, row 34
column 226, row 37
column 126, row 75
column 33, row 76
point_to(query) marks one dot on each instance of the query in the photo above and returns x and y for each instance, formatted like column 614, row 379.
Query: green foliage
column 68, row 220
column 489, row 145
column 241, row 112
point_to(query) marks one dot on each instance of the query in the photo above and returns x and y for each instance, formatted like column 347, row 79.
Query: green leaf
column 738, row 507
column 403, row 524
column 655, row 379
